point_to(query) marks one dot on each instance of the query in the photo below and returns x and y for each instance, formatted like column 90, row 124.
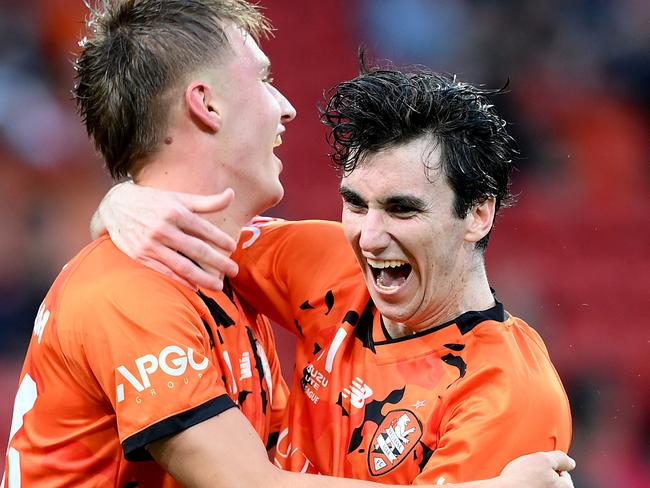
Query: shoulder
column 506, row 365
column 102, row 268
column 511, row 355
column 298, row 248
column 308, row 232
column 511, row 337
column 101, row 284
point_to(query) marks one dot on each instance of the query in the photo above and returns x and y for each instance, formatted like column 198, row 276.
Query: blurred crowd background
column 573, row 257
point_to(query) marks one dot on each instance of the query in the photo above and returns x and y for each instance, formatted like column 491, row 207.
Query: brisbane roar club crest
column 395, row 438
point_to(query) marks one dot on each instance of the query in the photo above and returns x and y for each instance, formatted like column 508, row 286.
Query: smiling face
column 253, row 114
column 415, row 253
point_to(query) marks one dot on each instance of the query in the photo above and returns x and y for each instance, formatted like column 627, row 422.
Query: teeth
column 387, row 288
column 385, row 263
column 278, row 141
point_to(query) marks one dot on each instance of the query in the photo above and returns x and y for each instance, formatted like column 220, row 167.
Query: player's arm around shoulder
column 282, row 264
column 167, row 231
column 225, row 452
column 304, row 246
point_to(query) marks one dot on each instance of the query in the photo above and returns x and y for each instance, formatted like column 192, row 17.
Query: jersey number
column 25, row 399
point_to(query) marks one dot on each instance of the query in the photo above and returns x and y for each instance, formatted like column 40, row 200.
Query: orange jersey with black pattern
column 122, row 356
column 453, row 403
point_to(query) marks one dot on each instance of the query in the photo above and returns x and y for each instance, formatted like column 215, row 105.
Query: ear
column 479, row 220
column 201, row 104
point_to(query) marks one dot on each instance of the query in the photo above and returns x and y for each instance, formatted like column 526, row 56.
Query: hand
column 539, row 470
column 164, row 230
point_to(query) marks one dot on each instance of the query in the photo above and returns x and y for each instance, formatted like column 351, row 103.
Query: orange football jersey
column 122, row 356
column 453, row 403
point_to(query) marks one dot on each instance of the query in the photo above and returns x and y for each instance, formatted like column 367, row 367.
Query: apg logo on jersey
column 172, row 360
column 395, row 438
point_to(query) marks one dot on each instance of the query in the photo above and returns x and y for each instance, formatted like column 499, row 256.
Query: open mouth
column 389, row 274
column 278, row 141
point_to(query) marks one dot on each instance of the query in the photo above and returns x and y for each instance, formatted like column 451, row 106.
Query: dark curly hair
column 137, row 53
column 386, row 107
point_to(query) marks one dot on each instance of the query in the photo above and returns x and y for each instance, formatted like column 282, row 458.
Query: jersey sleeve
column 139, row 340
column 281, row 264
column 503, row 409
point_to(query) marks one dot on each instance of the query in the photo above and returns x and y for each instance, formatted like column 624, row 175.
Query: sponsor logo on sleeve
column 172, row 361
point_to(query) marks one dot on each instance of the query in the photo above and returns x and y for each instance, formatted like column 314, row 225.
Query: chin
column 278, row 196
column 271, row 199
column 390, row 310
column 396, row 308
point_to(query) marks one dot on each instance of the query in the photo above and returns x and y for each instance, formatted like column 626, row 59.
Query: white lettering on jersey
column 285, row 453
column 358, row 392
column 24, row 402
column 314, row 377
column 42, row 317
column 13, row 459
column 278, row 450
column 172, row 360
column 379, row 463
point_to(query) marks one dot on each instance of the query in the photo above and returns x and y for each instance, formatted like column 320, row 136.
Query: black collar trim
column 465, row 323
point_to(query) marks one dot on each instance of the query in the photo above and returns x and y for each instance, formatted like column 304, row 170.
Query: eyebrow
column 393, row 200
column 405, row 201
column 349, row 194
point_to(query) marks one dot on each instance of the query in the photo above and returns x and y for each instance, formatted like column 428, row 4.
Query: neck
column 199, row 175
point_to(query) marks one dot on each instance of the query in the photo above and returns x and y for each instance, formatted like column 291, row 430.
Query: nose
column 287, row 111
column 373, row 238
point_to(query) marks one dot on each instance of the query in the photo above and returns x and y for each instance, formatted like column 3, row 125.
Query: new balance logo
column 358, row 392
column 245, row 370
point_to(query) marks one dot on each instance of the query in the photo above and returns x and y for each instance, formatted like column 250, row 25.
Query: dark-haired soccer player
column 132, row 379
column 408, row 369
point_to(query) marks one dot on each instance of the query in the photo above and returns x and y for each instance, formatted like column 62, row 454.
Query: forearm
column 491, row 483
column 299, row 480
column 226, row 452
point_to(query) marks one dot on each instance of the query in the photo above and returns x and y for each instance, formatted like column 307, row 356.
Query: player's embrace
column 135, row 379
